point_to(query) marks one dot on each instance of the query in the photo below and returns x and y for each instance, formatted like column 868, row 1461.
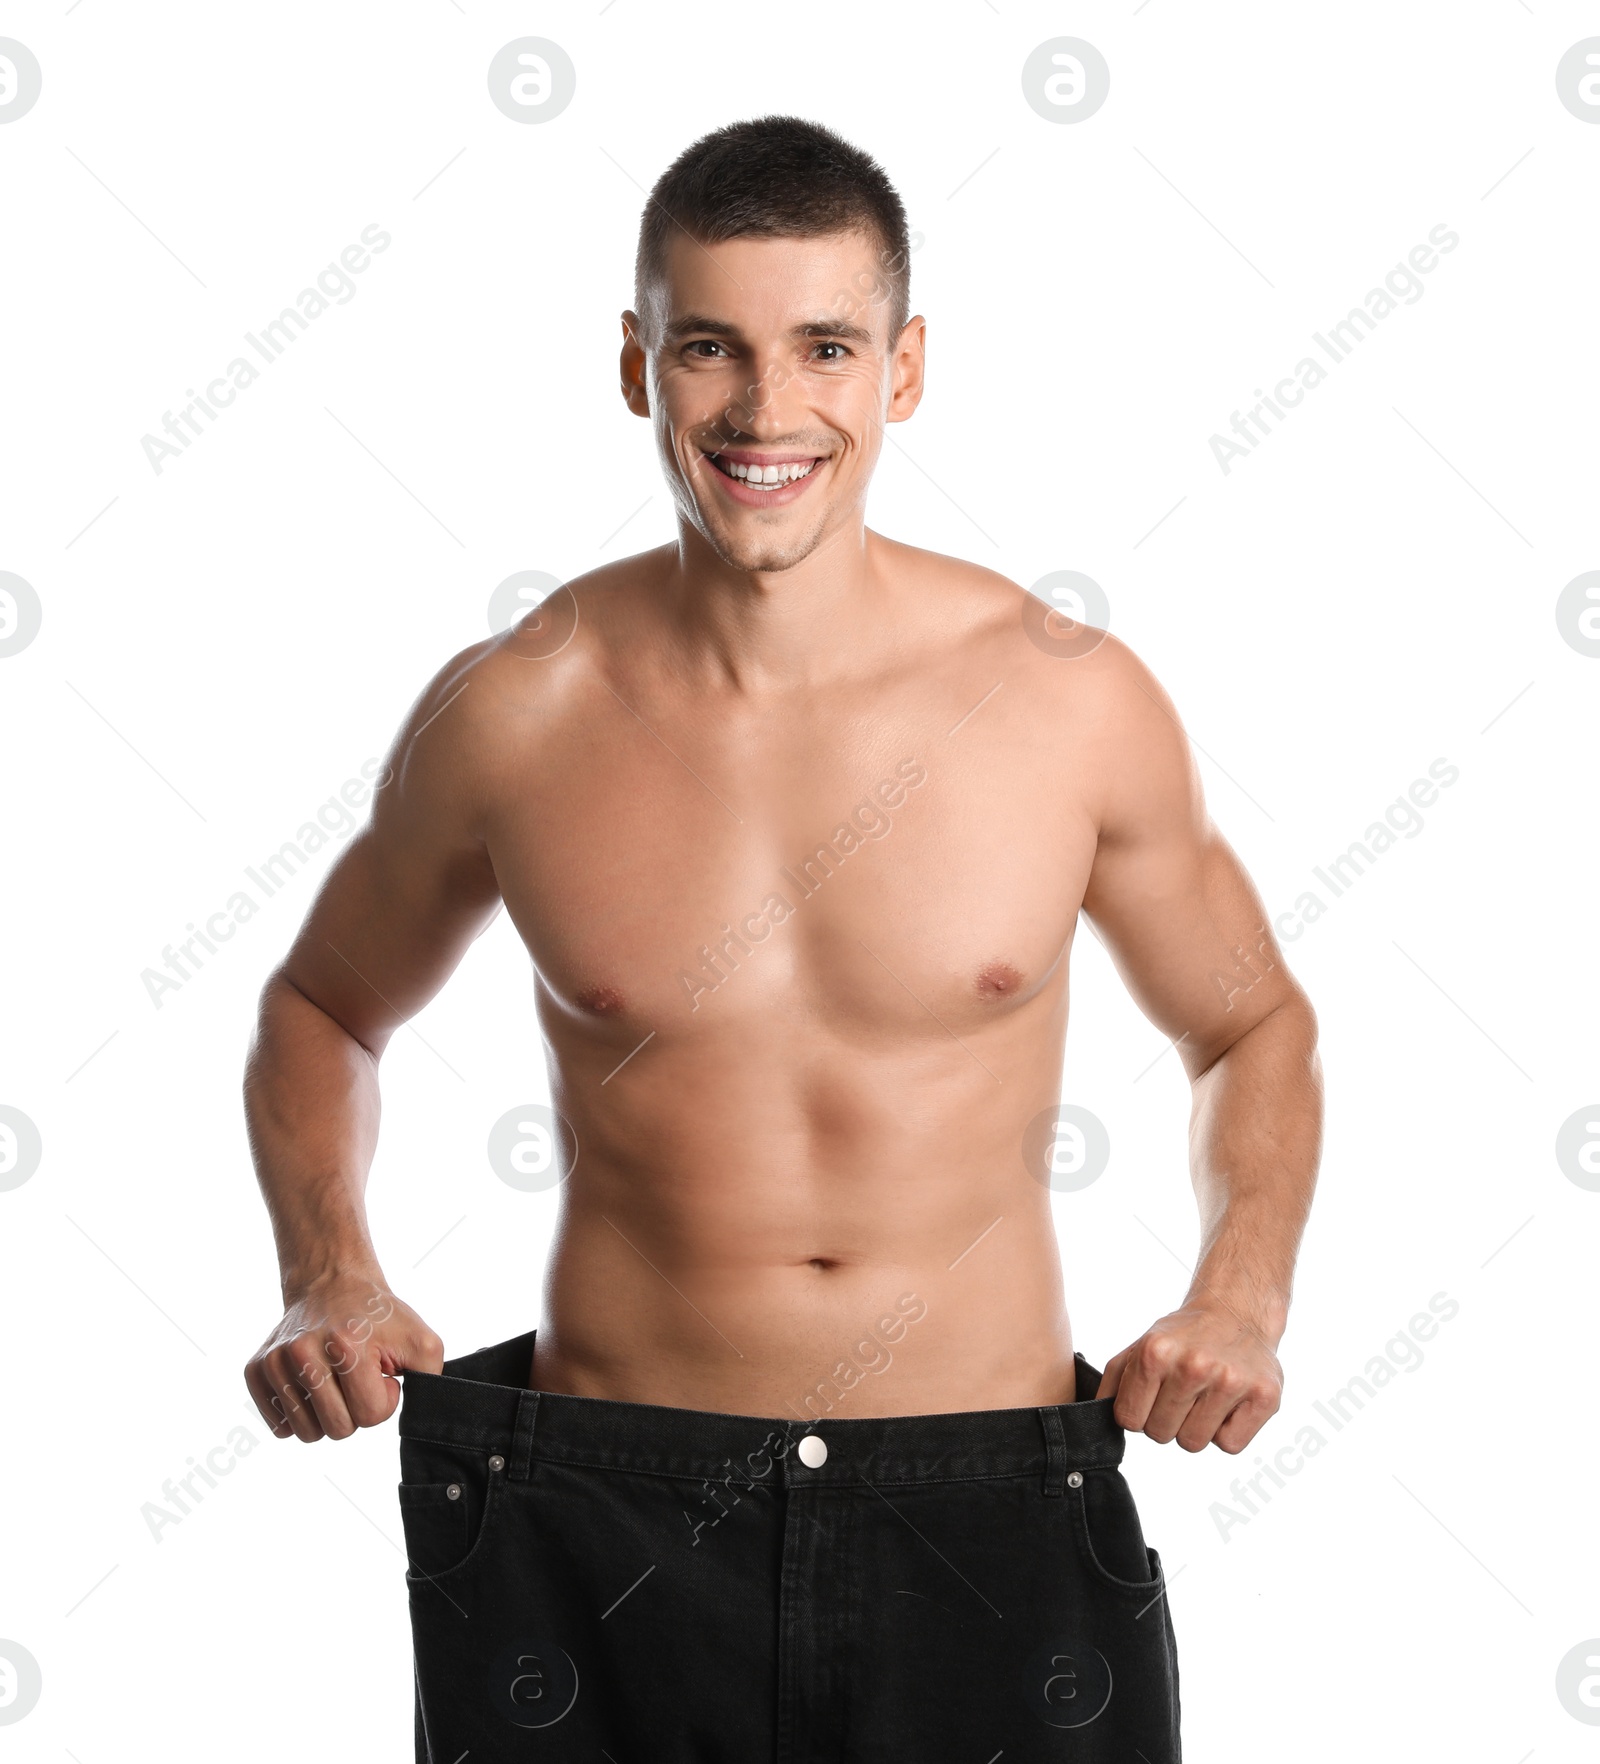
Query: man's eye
column 704, row 343
column 839, row 346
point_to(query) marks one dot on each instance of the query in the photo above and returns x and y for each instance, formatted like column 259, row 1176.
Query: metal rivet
column 497, row 1462
column 1075, row 1480
column 453, row 1492
column 813, row 1452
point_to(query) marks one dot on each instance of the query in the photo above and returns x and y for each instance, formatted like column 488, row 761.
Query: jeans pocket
column 1110, row 1538
column 434, row 1518
column 448, row 1494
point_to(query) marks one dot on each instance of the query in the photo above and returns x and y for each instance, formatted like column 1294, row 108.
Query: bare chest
column 689, row 879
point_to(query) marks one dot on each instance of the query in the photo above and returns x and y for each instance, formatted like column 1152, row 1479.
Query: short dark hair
column 777, row 177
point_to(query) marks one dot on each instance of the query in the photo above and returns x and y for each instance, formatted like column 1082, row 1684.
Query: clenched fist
column 1202, row 1376
column 329, row 1366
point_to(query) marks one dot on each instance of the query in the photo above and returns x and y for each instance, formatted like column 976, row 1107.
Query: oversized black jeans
column 593, row 1580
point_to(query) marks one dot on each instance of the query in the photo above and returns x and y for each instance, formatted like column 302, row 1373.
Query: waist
column 481, row 1401
column 742, row 1295
column 637, row 1316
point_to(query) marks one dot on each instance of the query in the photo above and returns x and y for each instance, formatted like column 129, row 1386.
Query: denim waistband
column 479, row 1401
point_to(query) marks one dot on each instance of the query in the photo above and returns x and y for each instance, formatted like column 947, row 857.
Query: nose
column 767, row 407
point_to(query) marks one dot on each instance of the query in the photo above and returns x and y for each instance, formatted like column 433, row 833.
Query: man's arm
column 388, row 926
column 1186, row 929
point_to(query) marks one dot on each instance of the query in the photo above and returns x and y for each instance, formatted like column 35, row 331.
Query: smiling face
column 767, row 368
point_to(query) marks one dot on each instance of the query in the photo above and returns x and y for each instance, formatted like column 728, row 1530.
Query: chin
column 766, row 562
column 763, row 554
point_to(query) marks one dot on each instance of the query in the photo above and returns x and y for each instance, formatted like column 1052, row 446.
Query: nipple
column 999, row 980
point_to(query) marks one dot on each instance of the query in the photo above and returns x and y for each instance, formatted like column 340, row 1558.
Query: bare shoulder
column 472, row 727
column 1062, row 663
column 1066, row 684
column 951, row 591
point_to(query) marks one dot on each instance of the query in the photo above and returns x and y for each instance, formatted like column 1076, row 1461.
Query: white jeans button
column 454, row 1491
column 813, row 1452
column 497, row 1462
column 1075, row 1480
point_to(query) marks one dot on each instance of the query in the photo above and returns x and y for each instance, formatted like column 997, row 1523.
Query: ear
column 909, row 368
column 633, row 365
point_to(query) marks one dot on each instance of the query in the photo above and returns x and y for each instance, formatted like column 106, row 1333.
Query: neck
column 770, row 629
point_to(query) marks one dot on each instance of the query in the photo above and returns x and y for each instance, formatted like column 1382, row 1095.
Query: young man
column 797, row 823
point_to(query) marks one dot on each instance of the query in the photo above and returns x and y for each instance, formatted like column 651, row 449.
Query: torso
column 800, row 1186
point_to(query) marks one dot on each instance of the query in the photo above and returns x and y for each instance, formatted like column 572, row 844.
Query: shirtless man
column 797, row 823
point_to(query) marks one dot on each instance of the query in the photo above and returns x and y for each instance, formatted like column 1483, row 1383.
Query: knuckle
column 1156, row 1353
column 342, row 1352
column 300, row 1357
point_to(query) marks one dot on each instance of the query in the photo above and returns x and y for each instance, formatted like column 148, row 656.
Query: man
column 797, row 823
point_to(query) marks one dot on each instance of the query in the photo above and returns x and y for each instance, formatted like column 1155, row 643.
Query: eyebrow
column 690, row 323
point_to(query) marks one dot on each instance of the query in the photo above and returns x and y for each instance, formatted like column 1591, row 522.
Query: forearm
column 1254, row 1143
column 311, row 1108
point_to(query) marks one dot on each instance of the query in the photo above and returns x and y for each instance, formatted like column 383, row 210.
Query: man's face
column 771, row 359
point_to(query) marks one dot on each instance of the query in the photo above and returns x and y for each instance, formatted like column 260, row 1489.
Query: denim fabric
column 592, row 1580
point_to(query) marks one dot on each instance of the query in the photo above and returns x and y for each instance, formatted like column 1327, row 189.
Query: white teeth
column 769, row 477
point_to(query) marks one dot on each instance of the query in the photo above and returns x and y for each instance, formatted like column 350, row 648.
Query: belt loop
column 1055, row 1444
column 522, row 1436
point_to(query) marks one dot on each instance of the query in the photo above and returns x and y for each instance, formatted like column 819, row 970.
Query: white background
column 1373, row 588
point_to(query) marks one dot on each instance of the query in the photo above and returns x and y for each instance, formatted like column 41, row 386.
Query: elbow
column 285, row 1007
column 1290, row 1025
column 1308, row 1029
column 1299, row 1032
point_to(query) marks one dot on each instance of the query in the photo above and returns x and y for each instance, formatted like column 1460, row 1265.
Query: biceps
column 386, row 931
column 1186, row 929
